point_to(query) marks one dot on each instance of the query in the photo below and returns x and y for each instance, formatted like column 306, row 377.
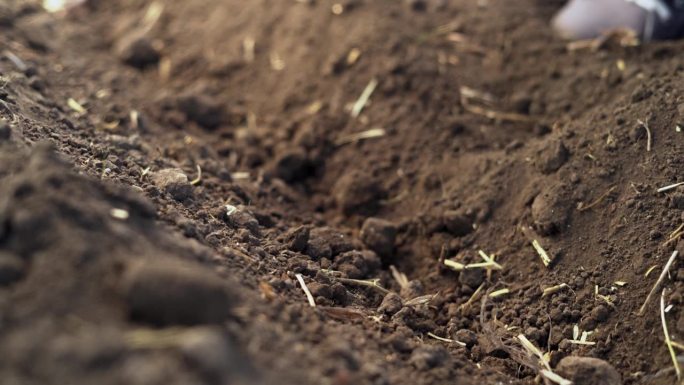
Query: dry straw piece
column 649, row 138
column 542, row 253
column 472, row 298
column 438, row 338
column 546, row 371
column 489, row 264
column 454, row 265
column 469, row 94
column 598, row 200
column 582, row 339
column 400, row 277
column 658, row 282
column 489, row 260
column 499, row 293
column 309, row 297
column 21, row 66
column 668, row 340
column 670, row 187
column 359, row 136
column 554, row 289
column 134, row 117
column 76, row 106
column 372, row 283
column 197, row 180
column 120, row 214
column 650, row 270
column 364, row 98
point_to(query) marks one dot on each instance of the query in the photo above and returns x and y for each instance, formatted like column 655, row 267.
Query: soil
column 171, row 170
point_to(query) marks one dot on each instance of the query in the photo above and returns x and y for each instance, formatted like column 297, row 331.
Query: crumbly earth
column 170, row 169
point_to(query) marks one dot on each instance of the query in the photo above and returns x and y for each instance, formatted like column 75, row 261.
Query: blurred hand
column 650, row 19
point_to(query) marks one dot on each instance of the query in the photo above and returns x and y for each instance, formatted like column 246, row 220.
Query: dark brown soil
column 168, row 169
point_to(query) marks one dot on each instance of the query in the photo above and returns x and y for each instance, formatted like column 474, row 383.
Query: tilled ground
column 171, row 170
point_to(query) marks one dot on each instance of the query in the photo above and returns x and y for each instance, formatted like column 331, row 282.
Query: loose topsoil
column 171, row 169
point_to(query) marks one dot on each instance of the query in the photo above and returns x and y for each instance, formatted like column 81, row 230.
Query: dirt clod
column 242, row 218
column 551, row 210
column 391, row 304
column 401, row 340
column 472, row 278
column 677, row 201
column 417, row 5
column 166, row 292
column 203, row 110
column 39, row 31
column 357, row 264
column 11, row 269
column 292, row 165
column 211, row 353
column 358, row 193
column 428, row 357
column 601, row 313
column 553, row 156
column 320, row 290
column 338, row 241
column 413, row 289
column 174, row 182
column 299, row 239
column 318, row 247
column 137, row 50
column 379, row 235
column 466, row 336
column 588, row 371
column 641, row 93
column 5, row 130
column 457, row 224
